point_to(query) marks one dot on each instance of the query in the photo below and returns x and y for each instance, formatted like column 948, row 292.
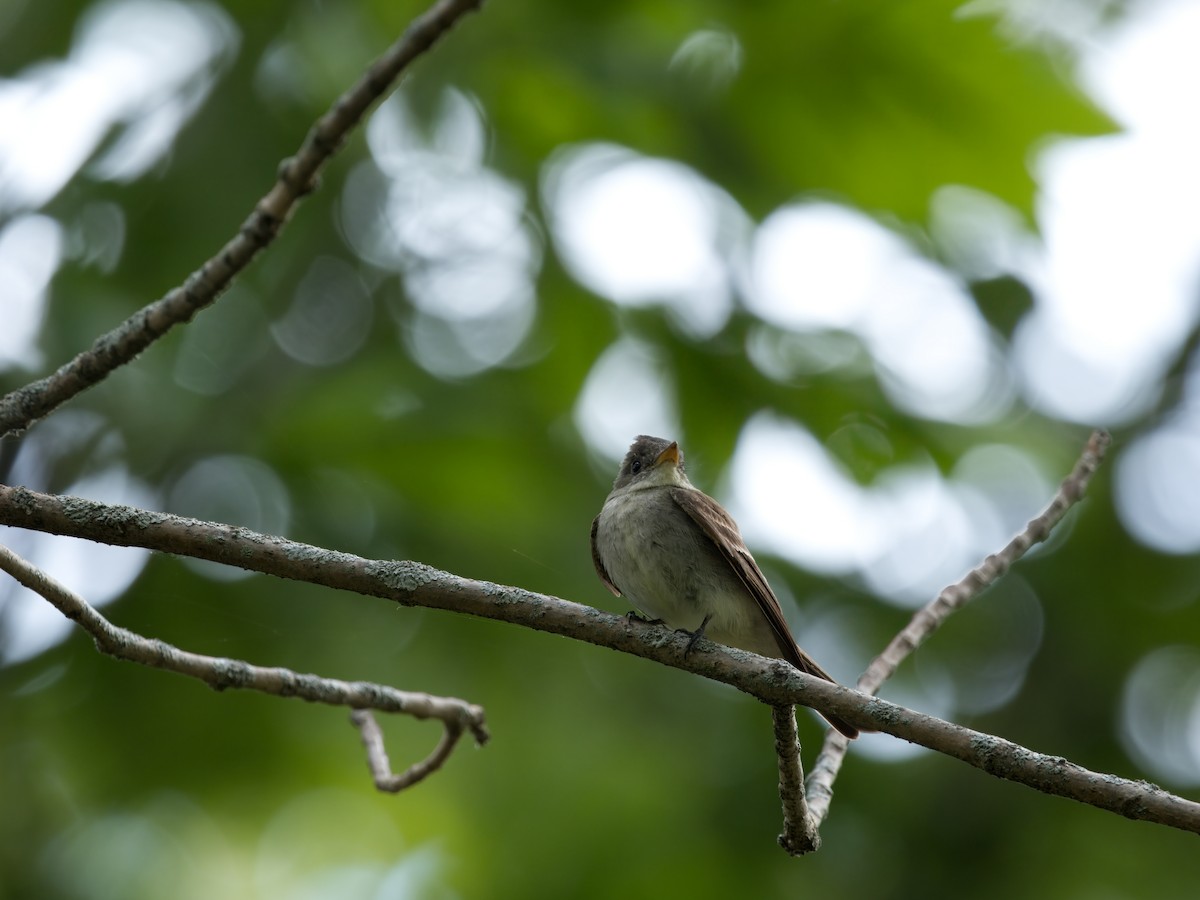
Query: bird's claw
column 694, row 636
column 634, row 616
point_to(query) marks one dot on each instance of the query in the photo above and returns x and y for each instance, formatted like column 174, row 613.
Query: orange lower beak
column 671, row 454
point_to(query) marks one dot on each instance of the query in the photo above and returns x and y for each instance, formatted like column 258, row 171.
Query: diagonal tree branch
column 954, row 597
column 297, row 176
column 930, row 617
column 413, row 584
column 456, row 715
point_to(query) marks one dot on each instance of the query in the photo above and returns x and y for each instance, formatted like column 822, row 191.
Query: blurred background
column 878, row 267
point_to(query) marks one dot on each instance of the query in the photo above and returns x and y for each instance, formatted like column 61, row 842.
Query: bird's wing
column 598, row 562
column 720, row 528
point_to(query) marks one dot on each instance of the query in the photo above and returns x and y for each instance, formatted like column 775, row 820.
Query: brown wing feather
column 599, row 563
column 720, row 528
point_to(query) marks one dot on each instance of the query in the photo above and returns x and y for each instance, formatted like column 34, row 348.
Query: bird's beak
column 671, row 455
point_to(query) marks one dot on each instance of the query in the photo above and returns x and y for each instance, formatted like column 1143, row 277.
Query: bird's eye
column 635, row 466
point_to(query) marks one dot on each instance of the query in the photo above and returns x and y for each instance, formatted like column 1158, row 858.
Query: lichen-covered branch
column 800, row 833
column 456, row 715
column 413, row 584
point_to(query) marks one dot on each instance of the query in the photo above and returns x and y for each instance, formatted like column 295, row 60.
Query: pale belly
column 668, row 569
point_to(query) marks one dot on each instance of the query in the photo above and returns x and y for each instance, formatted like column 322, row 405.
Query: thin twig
column 296, row 177
column 413, row 584
column 800, row 833
column 219, row 673
column 377, row 758
column 930, row 617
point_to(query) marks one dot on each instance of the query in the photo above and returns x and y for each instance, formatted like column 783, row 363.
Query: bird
column 678, row 557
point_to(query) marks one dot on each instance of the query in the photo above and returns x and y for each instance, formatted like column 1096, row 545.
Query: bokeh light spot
column 1160, row 714
column 709, row 58
column 427, row 207
column 628, row 392
column 1158, row 489
column 140, row 66
column 222, row 345
column 642, row 231
column 329, row 317
column 817, row 267
column 30, row 250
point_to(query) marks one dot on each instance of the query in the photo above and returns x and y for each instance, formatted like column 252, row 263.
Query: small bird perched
column 676, row 555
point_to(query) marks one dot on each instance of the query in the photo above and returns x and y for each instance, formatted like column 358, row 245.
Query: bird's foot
column 634, row 616
column 694, row 636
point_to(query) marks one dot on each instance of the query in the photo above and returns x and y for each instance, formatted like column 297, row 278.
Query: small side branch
column 930, row 617
column 456, row 715
column 296, row 177
column 377, row 758
column 800, row 833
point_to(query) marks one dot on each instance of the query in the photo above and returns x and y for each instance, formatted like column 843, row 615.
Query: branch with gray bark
column 929, row 618
column 456, row 716
column 414, row 584
column 297, row 176
column 800, row 827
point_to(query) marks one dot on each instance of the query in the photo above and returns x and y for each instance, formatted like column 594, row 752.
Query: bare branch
column 219, row 673
column 377, row 759
column 819, row 790
column 800, row 833
column 413, row 584
column 297, row 176
column 930, row 617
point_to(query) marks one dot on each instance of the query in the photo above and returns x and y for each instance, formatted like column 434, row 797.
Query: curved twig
column 377, row 758
column 456, row 715
column 296, row 177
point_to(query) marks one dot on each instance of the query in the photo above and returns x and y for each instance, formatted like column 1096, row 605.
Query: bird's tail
column 807, row 664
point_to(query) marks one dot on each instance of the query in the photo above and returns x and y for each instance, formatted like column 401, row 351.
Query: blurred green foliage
column 607, row 776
